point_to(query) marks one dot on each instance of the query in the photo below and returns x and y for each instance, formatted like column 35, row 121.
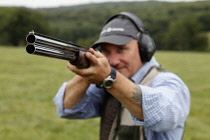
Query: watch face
column 108, row 83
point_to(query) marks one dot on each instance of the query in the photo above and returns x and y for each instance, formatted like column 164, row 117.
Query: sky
column 57, row 3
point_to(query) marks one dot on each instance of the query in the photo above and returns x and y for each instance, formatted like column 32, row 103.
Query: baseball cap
column 118, row 31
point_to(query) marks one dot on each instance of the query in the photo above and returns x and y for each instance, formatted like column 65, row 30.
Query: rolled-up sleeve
column 88, row 107
column 58, row 99
column 165, row 103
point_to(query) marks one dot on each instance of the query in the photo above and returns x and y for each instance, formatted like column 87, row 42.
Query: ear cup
column 146, row 47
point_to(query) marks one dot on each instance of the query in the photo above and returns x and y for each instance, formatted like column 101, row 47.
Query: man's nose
column 114, row 60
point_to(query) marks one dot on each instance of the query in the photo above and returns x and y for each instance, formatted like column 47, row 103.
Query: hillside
column 82, row 24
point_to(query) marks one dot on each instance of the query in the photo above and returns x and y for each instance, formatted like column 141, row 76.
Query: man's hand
column 98, row 70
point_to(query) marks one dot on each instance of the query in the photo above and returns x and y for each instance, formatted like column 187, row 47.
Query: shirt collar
column 139, row 75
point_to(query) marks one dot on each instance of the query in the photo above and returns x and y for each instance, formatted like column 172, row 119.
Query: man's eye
column 121, row 49
column 104, row 51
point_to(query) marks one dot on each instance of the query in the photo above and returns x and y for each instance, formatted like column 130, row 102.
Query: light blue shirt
column 165, row 104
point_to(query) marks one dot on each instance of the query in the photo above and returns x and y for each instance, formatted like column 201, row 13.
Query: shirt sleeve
column 88, row 107
column 165, row 103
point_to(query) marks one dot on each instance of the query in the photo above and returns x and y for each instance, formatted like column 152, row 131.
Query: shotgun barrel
column 43, row 45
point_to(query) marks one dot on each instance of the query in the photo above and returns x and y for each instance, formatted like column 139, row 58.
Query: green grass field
column 28, row 84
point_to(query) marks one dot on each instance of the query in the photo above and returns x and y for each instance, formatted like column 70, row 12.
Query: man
column 124, row 85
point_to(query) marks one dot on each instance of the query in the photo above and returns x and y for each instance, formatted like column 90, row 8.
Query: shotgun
column 43, row 45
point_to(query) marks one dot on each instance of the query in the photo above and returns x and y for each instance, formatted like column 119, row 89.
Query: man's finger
column 91, row 57
column 98, row 54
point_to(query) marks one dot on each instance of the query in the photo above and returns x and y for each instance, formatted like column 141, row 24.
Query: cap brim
column 112, row 39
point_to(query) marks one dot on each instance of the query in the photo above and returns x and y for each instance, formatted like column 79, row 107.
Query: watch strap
column 113, row 73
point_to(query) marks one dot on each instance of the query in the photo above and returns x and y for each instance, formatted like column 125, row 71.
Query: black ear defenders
column 145, row 42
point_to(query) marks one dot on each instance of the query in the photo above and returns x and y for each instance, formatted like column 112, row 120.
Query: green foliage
column 174, row 26
column 184, row 35
column 20, row 23
column 29, row 83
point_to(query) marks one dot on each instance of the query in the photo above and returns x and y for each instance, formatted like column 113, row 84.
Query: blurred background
column 173, row 25
column 181, row 30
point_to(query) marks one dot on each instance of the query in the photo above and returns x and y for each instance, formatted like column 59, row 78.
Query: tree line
column 173, row 26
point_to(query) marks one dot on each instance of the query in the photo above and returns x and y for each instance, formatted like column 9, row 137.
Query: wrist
column 81, row 80
column 108, row 82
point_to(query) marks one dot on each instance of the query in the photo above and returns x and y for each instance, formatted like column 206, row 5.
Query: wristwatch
column 109, row 81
